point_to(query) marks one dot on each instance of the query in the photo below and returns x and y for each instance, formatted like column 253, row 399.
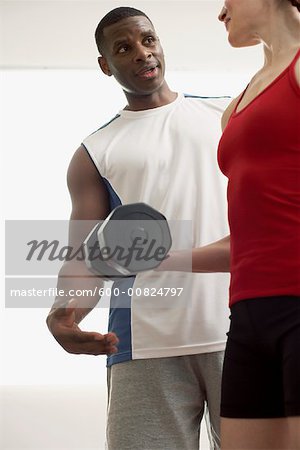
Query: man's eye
column 150, row 40
column 123, row 49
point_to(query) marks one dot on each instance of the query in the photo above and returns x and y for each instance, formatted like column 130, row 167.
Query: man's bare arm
column 90, row 204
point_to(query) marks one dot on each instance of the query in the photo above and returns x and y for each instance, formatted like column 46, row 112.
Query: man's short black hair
column 114, row 16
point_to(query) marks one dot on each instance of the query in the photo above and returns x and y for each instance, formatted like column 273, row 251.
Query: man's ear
column 104, row 66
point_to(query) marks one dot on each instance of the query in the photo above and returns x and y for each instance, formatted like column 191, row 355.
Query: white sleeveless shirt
column 167, row 157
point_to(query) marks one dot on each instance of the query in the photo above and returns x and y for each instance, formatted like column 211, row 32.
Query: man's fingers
column 89, row 350
column 111, row 338
column 96, row 344
column 84, row 345
column 87, row 336
column 76, row 341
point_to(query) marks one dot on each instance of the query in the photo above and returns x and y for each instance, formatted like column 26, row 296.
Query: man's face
column 133, row 55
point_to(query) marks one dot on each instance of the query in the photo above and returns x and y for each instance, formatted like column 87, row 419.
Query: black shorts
column 261, row 373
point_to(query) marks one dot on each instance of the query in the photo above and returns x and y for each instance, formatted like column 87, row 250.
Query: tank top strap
column 292, row 73
column 239, row 101
column 294, row 61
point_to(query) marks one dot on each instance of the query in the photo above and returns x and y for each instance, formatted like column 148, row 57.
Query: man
column 164, row 360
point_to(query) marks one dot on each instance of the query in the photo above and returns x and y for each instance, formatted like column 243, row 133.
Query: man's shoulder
column 106, row 127
column 218, row 103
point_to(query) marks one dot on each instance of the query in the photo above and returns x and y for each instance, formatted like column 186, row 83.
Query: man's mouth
column 148, row 72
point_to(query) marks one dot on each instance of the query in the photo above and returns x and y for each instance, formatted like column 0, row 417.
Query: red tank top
column 259, row 152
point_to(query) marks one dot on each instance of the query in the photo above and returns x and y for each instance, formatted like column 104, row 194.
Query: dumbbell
column 132, row 239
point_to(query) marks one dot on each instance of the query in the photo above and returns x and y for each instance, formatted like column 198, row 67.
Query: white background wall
column 52, row 96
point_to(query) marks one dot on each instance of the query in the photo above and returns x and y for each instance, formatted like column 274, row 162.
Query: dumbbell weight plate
column 129, row 226
column 93, row 258
column 138, row 237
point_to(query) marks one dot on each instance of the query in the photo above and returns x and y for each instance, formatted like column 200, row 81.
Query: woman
column 259, row 152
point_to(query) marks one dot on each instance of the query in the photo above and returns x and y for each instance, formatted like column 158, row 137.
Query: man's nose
column 142, row 53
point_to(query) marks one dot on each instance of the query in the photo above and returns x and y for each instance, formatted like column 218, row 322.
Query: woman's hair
column 295, row 3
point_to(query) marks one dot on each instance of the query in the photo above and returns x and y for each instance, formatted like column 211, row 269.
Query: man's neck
column 155, row 100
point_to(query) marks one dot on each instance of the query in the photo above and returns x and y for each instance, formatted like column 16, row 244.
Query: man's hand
column 61, row 323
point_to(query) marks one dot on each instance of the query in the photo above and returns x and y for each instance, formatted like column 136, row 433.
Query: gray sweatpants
column 159, row 403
